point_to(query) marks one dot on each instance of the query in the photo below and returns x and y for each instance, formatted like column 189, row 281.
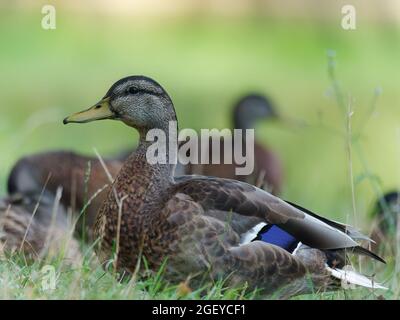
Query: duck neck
column 160, row 147
column 243, row 120
column 243, row 123
column 156, row 154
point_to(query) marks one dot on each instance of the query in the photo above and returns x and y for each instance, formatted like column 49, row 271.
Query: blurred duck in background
column 37, row 226
column 386, row 223
column 267, row 173
column 84, row 180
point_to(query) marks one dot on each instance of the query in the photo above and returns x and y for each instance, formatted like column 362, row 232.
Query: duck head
column 138, row 101
column 388, row 209
column 251, row 108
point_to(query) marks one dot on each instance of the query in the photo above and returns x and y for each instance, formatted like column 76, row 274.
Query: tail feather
column 366, row 252
column 349, row 230
column 351, row 277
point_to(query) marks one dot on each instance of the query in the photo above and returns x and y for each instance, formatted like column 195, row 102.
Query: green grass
column 205, row 63
column 88, row 280
column 27, row 280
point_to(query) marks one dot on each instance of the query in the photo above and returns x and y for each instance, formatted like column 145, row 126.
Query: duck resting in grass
column 209, row 226
column 83, row 180
column 386, row 223
column 36, row 225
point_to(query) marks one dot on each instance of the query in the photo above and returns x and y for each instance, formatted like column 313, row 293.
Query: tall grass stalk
column 354, row 145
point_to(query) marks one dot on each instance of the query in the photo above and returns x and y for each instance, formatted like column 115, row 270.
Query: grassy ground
column 205, row 63
column 89, row 281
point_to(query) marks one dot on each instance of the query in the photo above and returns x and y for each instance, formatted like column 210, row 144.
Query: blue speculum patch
column 275, row 235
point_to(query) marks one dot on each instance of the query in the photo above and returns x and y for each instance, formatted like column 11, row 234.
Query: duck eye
column 132, row 90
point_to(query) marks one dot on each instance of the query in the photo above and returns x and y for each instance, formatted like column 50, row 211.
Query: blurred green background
column 206, row 56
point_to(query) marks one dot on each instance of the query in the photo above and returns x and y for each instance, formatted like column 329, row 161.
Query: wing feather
column 244, row 199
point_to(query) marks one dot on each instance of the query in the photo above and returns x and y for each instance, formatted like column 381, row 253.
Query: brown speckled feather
column 214, row 250
column 38, row 236
column 231, row 195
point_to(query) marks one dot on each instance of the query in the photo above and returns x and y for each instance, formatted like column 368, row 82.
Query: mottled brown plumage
column 150, row 214
column 36, row 226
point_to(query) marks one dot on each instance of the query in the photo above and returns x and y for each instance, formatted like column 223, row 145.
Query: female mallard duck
column 267, row 171
column 202, row 224
column 36, row 225
column 386, row 225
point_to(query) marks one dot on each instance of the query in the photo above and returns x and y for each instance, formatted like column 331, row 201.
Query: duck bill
column 99, row 111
